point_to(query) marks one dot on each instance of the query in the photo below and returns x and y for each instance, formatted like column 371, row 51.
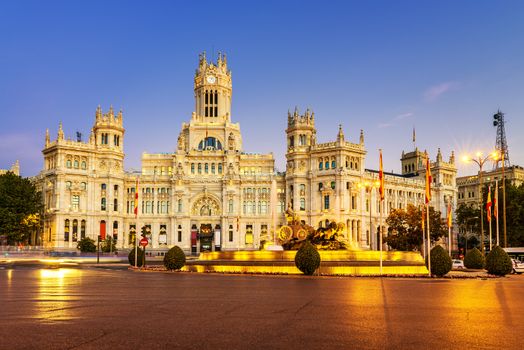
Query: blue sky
column 443, row 67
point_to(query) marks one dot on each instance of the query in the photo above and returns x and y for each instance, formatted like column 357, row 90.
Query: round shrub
column 498, row 262
column 307, row 258
column 86, row 245
column 175, row 259
column 474, row 259
column 440, row 261
column 140, row 255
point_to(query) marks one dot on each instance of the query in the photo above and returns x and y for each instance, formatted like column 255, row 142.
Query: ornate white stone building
column 209, row 194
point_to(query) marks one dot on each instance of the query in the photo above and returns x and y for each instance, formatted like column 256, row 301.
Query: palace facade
column 210, row 194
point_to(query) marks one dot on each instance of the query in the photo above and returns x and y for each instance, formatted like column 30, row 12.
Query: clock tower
column 212, row 90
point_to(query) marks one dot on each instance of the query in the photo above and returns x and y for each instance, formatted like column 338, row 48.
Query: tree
column 514, row 215
column 405, row 228
column 21, row 208
column 86, row 245
column 108, row 245
column 469, row 226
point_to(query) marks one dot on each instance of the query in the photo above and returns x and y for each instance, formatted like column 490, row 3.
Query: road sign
column 143, row 242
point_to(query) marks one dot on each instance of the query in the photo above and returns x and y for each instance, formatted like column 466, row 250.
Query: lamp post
column 369, row 185
column 480, row 160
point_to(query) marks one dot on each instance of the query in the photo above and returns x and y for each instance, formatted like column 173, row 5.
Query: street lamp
column 369, row 185
column 480, row 160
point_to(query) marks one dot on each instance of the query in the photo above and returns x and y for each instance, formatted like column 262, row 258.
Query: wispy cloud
column 435, row 91
column 393, row 121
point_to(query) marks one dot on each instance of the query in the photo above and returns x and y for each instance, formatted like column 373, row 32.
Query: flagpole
column 489, row 218
column 380, row 204
column 136, row 223
column 497, row 208
column 428, row 199
column 429, row 239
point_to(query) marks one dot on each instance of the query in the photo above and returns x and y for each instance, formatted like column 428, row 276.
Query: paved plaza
column 104, row 308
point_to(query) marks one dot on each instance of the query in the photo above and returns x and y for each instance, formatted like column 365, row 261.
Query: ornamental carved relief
column 206, row 206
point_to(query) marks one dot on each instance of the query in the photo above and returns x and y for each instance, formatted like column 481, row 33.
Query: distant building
column 468, row 186
column 15, row 169
column 210, row 194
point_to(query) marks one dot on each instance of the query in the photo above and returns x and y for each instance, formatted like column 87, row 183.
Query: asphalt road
column 92, row 308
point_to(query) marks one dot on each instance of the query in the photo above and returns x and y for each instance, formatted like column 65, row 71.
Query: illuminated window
column 326, row 202
column 66, row 230
column 249, row 234
column 75, row 202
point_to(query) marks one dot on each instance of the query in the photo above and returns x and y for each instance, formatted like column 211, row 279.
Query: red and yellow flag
column 495, row 202
column 450, row 217
column 381, row 177
column 136, row 198
column 488, row 205
column 428, row 179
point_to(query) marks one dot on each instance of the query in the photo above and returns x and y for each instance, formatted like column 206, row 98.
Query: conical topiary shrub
column 498, row 262
column 474, row 259
column 440, row 261
column 307, row 258
column 131, row 257
column 175, row 259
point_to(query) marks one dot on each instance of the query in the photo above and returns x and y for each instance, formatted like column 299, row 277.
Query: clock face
column 211, row 79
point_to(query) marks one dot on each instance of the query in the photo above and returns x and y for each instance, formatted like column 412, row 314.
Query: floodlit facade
column 210, row 194
column 468, row 186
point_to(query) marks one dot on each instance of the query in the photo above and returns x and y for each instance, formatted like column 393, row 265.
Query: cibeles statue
column 292, row 218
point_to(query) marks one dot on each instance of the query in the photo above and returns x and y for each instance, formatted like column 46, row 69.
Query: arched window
column 115, row 204
column 206, row 168
column 179, row 205
column 68, row 163
column 66, row 230
column 209, row 143
column 115, row 230
column 302, row 204
column 192, row 168
column 333, row 163
column 75, row 230
column 103, row 229
column 212, row 168
column 103, row 204
column 199, row 168
column 76, row 164
column 326, row 164
column 82, row 229
column 320, row 164
column 220, row 168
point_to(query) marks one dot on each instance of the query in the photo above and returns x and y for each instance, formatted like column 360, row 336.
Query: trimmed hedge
column 440, row 261
column 307, row 258
column 175, row 259
column 140, row 255
column 474, row 259
column 86, row 245
column 498, row 262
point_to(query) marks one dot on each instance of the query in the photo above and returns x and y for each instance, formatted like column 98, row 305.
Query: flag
column 428, row 180
column 381, row 177
column 496, row 202
column 136, row 198
column 488, row 205
column 450, row 217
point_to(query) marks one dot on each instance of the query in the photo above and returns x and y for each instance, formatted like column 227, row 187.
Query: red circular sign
column 143, row 242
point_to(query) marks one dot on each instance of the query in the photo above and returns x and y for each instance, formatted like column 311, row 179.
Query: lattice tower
column 501, row 145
